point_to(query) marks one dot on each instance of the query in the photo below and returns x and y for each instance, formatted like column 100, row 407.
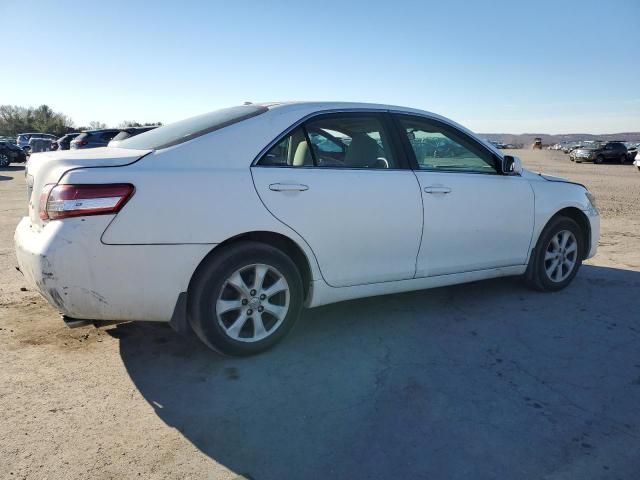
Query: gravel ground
column 486, row 380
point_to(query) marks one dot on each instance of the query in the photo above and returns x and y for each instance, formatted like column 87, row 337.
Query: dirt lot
column 487, row 380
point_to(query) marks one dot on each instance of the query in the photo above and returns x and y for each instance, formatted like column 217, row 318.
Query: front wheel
column 557, row 256
column 599, row 159
column 623, row 159
column 4, row 160
column 245, row 298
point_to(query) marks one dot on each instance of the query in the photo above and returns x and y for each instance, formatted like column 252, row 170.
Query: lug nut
column 260, row 308
column 253, row 293
column 245, row 301
column 263, row 296
column 249, row 312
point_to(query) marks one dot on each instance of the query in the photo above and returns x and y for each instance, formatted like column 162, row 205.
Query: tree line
column 15, row 119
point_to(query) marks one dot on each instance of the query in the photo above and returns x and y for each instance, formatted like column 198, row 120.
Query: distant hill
column 547, row 139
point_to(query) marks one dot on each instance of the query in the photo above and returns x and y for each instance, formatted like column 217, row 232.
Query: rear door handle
column 437, row 189
column 288, row 187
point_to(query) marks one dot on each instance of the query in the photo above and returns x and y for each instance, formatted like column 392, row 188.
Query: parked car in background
column 600, row 152
column 11, row 153
column 129, row 132
column 537, row 143
column 637, row 163
column 94, row 138
column 632, row 152
column 64, row 142
column 23, row 139
column 39, row 144
column 234, row 220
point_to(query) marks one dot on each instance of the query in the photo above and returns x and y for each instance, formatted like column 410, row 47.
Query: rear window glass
column 185, row 130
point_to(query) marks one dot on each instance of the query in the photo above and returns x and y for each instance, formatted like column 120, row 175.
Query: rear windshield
column 185, row 130
column 122, row 135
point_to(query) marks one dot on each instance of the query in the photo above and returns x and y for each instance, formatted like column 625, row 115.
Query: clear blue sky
column 501, row 66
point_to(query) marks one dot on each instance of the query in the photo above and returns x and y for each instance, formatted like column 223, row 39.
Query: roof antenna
column 247, row 103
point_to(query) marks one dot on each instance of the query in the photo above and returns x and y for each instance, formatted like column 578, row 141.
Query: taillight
column 64, row 201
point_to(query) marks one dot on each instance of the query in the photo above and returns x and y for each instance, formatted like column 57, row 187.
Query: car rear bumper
column 86, row 279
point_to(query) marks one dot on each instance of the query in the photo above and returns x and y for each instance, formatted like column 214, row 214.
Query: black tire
column 4, row 160
column 599, row 159
column 536, row 274
column 209, row 280
column 623, row 159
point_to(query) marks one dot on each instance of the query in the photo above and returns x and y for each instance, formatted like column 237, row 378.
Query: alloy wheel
column 561, row 256
column 4, row 160
column 253, row 302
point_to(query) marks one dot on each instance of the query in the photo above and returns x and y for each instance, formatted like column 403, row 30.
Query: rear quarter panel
column 200, row 192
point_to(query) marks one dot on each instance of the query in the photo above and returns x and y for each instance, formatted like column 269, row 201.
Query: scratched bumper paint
column 83, row 278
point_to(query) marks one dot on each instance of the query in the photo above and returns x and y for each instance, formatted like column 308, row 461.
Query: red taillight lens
column 64, row 201
column 43, row 200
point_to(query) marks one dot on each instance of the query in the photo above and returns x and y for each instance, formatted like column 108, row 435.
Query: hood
column 49, row 167
column 539, row 176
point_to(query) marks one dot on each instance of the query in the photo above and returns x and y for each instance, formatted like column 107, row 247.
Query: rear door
column 474, row 217
column 339, row 181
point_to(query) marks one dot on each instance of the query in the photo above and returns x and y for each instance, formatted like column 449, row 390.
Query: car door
column 340, row 182
column 475, row 218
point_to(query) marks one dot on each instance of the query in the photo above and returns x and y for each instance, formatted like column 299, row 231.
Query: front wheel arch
column 580, row 218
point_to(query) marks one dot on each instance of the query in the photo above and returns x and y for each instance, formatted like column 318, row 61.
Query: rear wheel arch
column 277, row 240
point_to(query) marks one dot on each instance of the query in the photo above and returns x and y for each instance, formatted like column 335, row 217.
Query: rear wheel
column 557, row 256
column 245, row 298
column 623, row 159
column 4, row 160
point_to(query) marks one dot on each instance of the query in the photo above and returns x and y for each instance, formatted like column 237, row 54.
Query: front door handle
column 288, row 187
column 437, row 189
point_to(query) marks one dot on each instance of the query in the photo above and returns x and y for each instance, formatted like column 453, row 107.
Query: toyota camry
column 229, row 223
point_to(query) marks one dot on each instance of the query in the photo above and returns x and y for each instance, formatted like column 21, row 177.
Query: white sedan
column 229, row 223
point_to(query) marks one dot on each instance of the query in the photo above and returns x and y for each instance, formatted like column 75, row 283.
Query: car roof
column 331, row 105
column 304, row 108
column 98, row 130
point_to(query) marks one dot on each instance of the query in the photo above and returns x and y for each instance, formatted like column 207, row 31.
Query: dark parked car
column 600, row 152
column 64, row 142
column 130, row 132
column 11, row 153
column 94, row 138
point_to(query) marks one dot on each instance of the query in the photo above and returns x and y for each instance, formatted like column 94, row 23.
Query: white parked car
column 229, row 223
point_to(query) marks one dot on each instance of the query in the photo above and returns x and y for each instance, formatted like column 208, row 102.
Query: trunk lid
column 49, row 167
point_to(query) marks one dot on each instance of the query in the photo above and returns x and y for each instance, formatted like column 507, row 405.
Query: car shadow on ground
column 485, row 380
column 13, row 168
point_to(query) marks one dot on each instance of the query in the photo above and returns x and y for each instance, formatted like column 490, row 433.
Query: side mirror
column 511, row 165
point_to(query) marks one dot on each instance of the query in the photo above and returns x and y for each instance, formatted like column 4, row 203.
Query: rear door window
column 343, row 140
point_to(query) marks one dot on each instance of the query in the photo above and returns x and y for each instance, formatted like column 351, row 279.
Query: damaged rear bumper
column 84, row 278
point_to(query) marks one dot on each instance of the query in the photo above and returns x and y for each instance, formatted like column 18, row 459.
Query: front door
column 475, row 218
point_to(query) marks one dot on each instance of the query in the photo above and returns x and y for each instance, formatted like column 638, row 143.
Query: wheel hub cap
column 561, row 256
column 253, row 302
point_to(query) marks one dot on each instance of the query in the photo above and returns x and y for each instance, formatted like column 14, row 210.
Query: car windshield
column 185, row 130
